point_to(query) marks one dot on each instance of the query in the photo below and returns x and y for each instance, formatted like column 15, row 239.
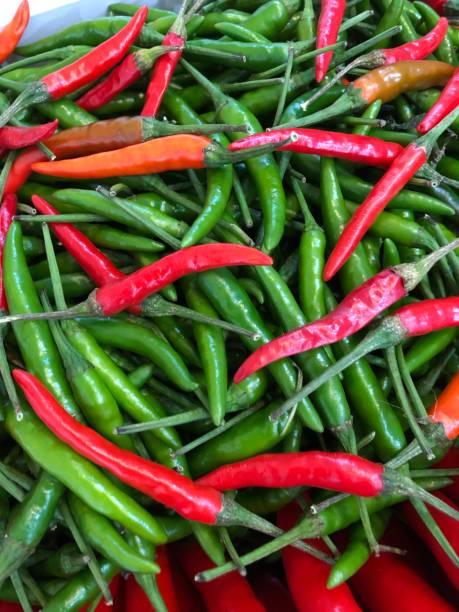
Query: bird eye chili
column 81, row 72
column 330, row 18
column 356, row 310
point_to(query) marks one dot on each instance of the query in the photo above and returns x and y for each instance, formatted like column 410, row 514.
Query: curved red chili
column 7, row 212
column 420, row 48
column 449, row 528
column 12, row 32
column 448, row 100
column 429, row 315
column 330, row 19
column 353, row 147
column 307, row 576
column 20, row 137
column 90, row 258
column 86, row 69
column 135, row 287
column 190, row 500
column 336, row 471
column 355, row 311
column 229, row 593
column 131, row 69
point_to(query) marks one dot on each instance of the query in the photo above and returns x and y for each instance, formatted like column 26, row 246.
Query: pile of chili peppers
column 229, row 309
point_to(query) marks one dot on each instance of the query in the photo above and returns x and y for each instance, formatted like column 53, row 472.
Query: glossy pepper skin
column 359, row 149
column 445, row 409
column 330, row 18
column 20, row 137
column 448, row 100
column 12, row 32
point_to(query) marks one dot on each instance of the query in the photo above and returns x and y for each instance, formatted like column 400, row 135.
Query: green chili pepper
column 76, row 285
column 142, row 340
column 81, row 590
column 63, row 563
column 176, row 334
column 391, row 17
column 310, row 269
column 211, row 344
column 32, row 246
column 239, row 32
column 248, row 392
column 67, row 264
column 147, row 581
column 34, row 73
column 262, row 169
column 391, row 256
column 112, row 238
column 67, row 112
column 219, row 180
column 357, row 550
column 254, row 434
column 124, row 103
column 104, row 538
column 233, row 304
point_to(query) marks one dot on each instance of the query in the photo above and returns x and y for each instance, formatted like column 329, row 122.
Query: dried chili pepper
column 356, row 310
column 12, row 32
column 353, row 147
column 19, row 137
column 131, row 69
column 330, row 18
column 385, row 83
column 180, row 152
column 164, row 68
column 412, row 320
column 81, row 72
column 190, row 500
column 405, row 166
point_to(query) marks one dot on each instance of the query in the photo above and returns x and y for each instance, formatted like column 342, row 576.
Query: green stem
column 183, row 418
column 20, row 592
column 53, row 269
column 11, row 487
column 285, row 88
column 418, row 404
column 404, row 402
column 242, row 201
column 69, row 218
column 232, row 552
column 6, row 171
column 33, row 587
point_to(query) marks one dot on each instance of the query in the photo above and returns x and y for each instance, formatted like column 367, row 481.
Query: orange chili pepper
column 11, row 33
column 445, row 409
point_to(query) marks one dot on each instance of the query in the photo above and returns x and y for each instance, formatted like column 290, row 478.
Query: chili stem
column 429, row 381
column 16, row 476
column 285, row 88
column 215, row 432
column 196, row 184
column 87, row 551
column 32, row 586
column 441, row 473
column 232, row 552
column 418, row 404
column 404, row 402
column 7, row 380
column 65, row 218
column 20, row 592
column 58, row 292
column 434, row 529
column 249, row 85
column 242, row 201
column 299, row 59
column 11, row 487
column 5, row 171
column 183, row 418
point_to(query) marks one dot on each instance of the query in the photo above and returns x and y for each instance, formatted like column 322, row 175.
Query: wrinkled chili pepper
column 131, row 69
column 330, row 18
column 359, row 149
column 415, row 319
column 19, row 137
column 12, row 32
column 190, row 500
column 81, row 72
column 164, row 68
column 356, row 310
column 180, row 152
column 405, row 166
column 385, row 83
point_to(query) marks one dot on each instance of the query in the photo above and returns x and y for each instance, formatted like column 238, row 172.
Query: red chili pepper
column 22, row 168
column 81, row 72
column 20, row 137
column 189, row 499
column 445, row 409
column 448, row 100
column 420, row 48
column 411, row 320
column 12, row 32
column 131, row 69
column 438, row 5
column 449, row 528
column 451, row 459
column 387, row 583
column 187, row 596
column 178, row 152
column 135, row 287
column 97, row 265
column 335, row 471
column 7, row 212
column 271, row 592
column 355, row 311
column 399, row 173
column 230, row 593
column 330, row 19
column 164, row 68
column 353, row 147
column 307, row 576
column 135, row 597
